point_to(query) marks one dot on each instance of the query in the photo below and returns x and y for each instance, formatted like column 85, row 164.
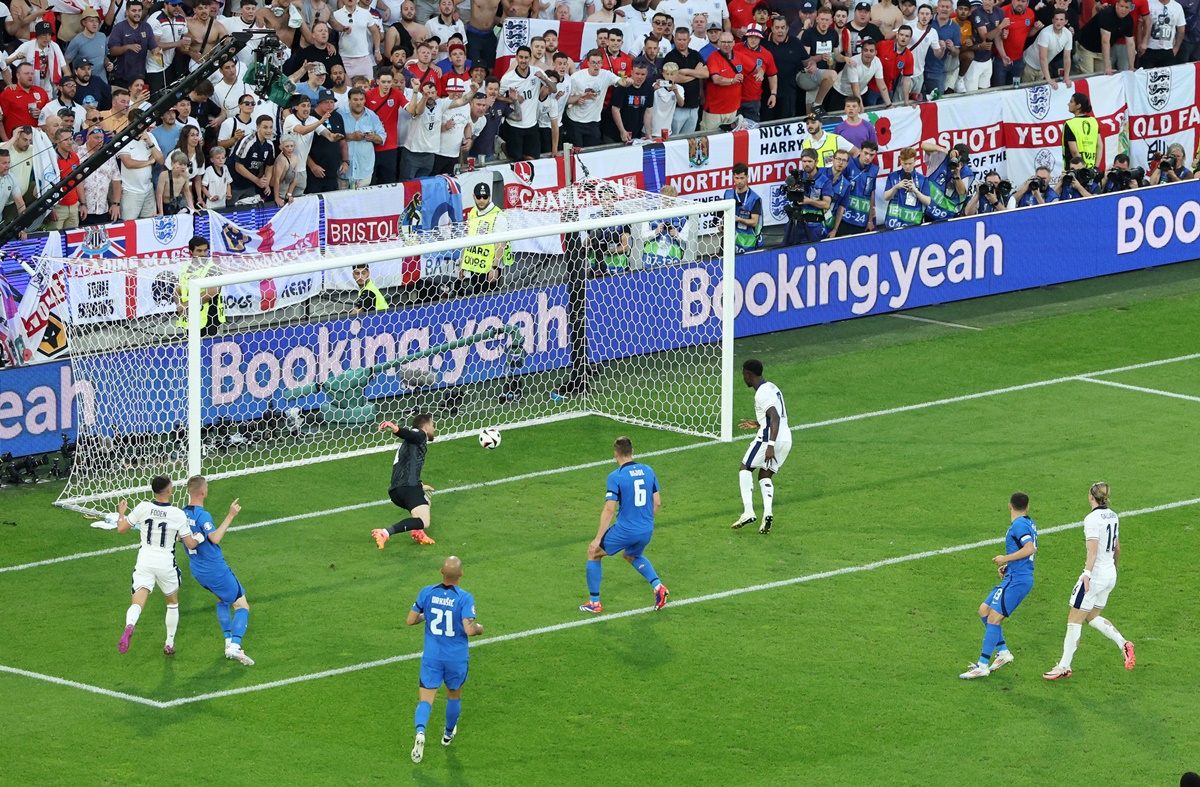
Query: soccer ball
column 490, row 438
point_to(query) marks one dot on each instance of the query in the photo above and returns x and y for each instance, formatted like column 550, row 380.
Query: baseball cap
column 89, row 13
column 65, row 78
column 754, row 30
column 455, row 47
column 43, row 29
column 483, row 191
column 316, row 68
column 808, row 7
column 715, row 26
column 325, row 94
column 908, row 2
column 762, row 4
column 80, row 62
column 964, row 3
column 865, row 6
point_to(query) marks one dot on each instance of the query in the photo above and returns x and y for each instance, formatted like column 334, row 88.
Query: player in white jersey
column 1100, row 529
column 769, row 449
column 160, row 524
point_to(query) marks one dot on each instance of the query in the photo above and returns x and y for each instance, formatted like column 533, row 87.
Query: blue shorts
column 435, row 672
column 616, row 540
column 224, row 586
column 1007, row 596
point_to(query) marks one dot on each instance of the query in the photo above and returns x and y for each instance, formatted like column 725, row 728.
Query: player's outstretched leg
column 1070, row 642
column 1105, row 627
column 241, row 619
column 746, row 482
column 647, row 571
column 225, row 618
column 453, row 711
column 131, row 618
column 381, row 536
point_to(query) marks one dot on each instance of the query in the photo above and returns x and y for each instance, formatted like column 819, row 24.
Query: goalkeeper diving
column 407, row 491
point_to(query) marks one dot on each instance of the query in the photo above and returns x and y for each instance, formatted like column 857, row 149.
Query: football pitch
column 827, row 652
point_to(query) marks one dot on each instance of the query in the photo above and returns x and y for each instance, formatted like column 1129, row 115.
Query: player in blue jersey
column 633, row 498
column 1016, row 580
column 448, row 613
column 208, row 566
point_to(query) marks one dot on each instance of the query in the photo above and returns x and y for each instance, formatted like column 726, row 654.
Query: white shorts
column 1097, row 593
column 148, row 573
column 754, row 458
column 978, row 76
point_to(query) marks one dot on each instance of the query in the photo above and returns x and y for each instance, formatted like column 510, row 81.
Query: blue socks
column 421, row 717
column 225, row 619
column 241, row 618
column 453, row 710
column 992, row 635
column 594, row 573
column 646, row 570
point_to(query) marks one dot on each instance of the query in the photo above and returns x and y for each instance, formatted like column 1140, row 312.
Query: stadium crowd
column 389, row 91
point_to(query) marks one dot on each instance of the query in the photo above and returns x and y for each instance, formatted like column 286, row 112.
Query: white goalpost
column 611, row 302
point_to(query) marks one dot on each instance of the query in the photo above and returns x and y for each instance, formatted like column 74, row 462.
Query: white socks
column 746, row 481
column 1104, row 627
column 768, row 494
column 1074, row 632
column 132, row 614
column 172, row 622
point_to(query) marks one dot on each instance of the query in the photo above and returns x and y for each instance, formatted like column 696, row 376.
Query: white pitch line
column 643, row 610
column 661, row 452
column 934, row 322
column 120, row 695
column 1171, row 394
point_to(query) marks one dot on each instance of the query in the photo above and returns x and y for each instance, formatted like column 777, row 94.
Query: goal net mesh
column 619, row 321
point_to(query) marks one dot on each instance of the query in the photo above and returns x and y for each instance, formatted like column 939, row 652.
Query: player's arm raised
column 123, row 524
column 234, row 509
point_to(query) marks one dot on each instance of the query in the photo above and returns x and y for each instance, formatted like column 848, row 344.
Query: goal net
column 609, row 302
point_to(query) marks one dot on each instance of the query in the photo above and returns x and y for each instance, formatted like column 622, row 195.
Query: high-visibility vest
column 381, row 303
column 480, row 259
column 1087, row 139
column 190, row 270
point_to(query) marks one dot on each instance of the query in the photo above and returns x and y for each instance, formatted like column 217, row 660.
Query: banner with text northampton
column 788, row 288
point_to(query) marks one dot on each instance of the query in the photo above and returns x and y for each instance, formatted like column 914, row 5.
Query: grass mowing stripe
column 83, row 687
column 643, row 610
column 1171, row 394
column 661, row 452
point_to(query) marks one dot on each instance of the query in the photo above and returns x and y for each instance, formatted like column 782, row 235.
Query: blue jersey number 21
column 442, row 622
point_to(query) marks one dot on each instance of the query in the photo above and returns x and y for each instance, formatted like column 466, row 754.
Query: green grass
column 849, row 679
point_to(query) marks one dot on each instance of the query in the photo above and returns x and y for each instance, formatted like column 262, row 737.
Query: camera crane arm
column 139, row 123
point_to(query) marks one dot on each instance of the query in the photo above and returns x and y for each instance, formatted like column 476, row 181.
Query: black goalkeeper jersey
column 410, row 458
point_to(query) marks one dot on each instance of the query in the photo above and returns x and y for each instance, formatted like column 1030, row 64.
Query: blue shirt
column 362, row 152
column 856, row 202
column 981, row 18
column 445, row 607
column 855, row 167
column 945, row 201
column 748, row 204
column 632, row 486
column 206, row 558
column 131, row 64
column 1028, row 199
column 818, row 190
column 948, row 32
column 1020, row 532
column 837, row 192
column 904, row 209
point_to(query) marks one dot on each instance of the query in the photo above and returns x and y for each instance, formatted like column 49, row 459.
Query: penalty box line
column 661, row 452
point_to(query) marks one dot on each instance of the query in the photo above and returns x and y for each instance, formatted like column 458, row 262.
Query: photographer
column 1169, row 168
column 1078, row 181
column 1035, row 191
column 1122, row 177
column 807, row 193
column 748, row 215
column 839, row 183
column 905, row 194
column 856, row 213
column 949, row 181
column 991, row 196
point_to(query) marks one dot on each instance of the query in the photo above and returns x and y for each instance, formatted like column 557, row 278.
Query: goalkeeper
column 406, row 490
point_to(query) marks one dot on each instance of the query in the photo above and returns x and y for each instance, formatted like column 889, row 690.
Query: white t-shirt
column 341, row 100
column 166, row 30
column 234, row 24
column 1163, row 21
column 855, row 71
column 356, row 43
column 579, row 82
column 1102, row 526
column 425, row 129
column 303, row 141
column 231, row 124
column 216, row 185
column 227, row 96
column 137, row 180
column 452, row 138
column 664, row 106
column 528, row 87
column 159, row 525
column 768, row 395
column 1053, row 44
column 443, row 31
column 921, row 48
column 553, row 106
column 52, row 109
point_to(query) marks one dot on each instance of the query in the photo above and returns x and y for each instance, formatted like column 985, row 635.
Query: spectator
column 174, row 190
column 360, row 38
column 237, row 127
column 705, row 43
column 897, row 60
column 855, row 129
column 585, row 102
column 1190, row 51
column 861, row 81
column 550, row 37
column 336, row 84
column 989, row 196
column 1171, row 168
column 459, row 126
column 183, row 114
column 1052, row 44
column 205, row 31
column 723, row 95
column 406, row 32
column 949, row 179
column 1034, row 191
column 966, row 53
column 839, row 177
column 908, row 13
column 950, row 36
column 1167, row 28
column 387, row 104
column 10, row 192
column 424, row 132
column 446, row 24
column 319, row 51
column 906, row 193
column 925, row 44
column 759, row 70
column 607, row 13
column 523, row 86
column 485, row 141
column 1021, row 25
column 65, row 101
column 691, row 76
column 43, row 54
column 989, row 24
column 650, row 58
column 166, row 133
column 191, row 146
column 859, row 29
column 315, row 81
column 23, row 156
column 247, row 19
column 117, row 118
column 252, row 159
column 71, row 209
column 138, row 158
column 1045, row 13
column 228, row 91
column 130, row 44
column 632, row 107
column 887, row 17
column 364, row 132
column 170, row 30
column 207, row 113
column 22, row 103
column 550, row 112
column 823, row 46
column 856, row 213
column 284, row 172
column 1112, row 23
column 90, row 44
column 216, row 185
column 805, row 17
column 102, row 195
column 668, row 99
column 457, row 78
column 741, row 16
column 300, row 125
column 789, row 59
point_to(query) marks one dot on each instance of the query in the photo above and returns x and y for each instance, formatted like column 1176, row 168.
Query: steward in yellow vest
column 1081, row 134
column 481, row 265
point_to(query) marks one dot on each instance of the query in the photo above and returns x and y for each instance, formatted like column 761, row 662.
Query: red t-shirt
column 1019, row 28
column 894, row 65
column 65, row 165
column 15, row 103
column 752, row 89
column 388, row 109
column 621, row 65
column 456, row 82
column 723, row 99
column 741, row 14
